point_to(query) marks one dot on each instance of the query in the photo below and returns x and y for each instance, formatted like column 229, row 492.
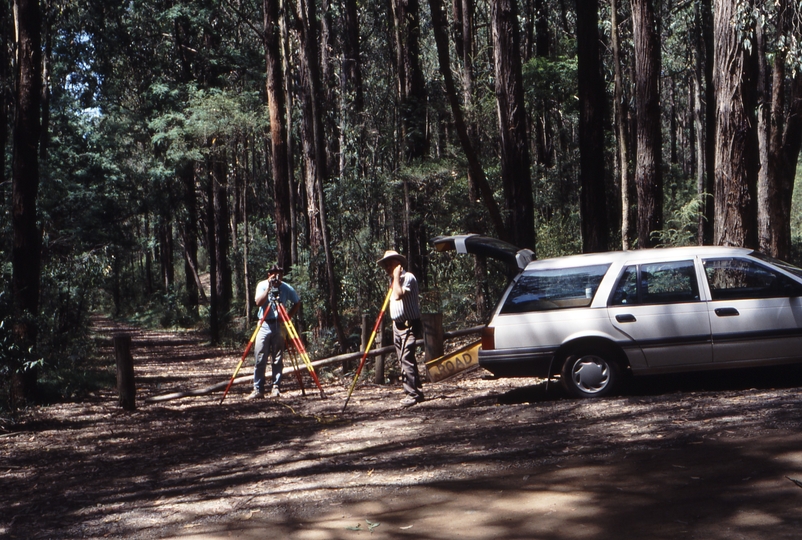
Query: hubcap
column 591, row 374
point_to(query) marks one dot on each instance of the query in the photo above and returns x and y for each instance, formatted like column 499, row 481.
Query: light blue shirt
column 285, row 293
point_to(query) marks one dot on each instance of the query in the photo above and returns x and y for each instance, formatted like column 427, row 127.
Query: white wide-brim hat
column 392, row 254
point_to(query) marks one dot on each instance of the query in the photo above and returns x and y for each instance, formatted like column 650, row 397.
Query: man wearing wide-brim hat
column 405, row 312
column 270, row 339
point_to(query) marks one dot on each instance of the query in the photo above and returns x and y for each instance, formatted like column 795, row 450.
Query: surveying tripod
column 295, row 341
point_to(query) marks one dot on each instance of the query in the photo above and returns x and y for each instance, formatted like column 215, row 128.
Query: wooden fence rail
column 338, row 359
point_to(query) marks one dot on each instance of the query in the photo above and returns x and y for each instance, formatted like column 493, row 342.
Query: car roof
column 639, row 256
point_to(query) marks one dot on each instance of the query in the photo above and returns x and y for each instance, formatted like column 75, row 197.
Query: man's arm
column 261, row 293
column 398, row 289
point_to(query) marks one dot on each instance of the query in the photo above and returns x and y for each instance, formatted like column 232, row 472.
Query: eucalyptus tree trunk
column 543, row 128
column 26, row 256
column 735, row 208
column 515, row 173
column 189, row 234
column 622, row 136
column 476, row 172
column 700, row 120
column 411, row 84
column 775, row 178
column 5, row 81
column 592, row 198
column 315, row 166
column 221, row 231
column 278, row 134
column 648, row 163
column 708, row 46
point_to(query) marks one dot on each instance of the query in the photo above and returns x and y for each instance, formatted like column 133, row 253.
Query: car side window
column 741, row 279
column 541, row 290
column 657, row 283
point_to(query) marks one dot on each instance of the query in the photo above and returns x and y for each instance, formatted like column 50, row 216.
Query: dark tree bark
column 700, row 121
column 222, row 284
column 352, row 56
column 706, row 16
column 543, row 128
column 475, row 169
column 5, row 96
column 26, row 251
column 592, row 198
column 622, row 133
column 189, row 235
column 315, row 165
column 214, row 298
column 776, row 177
column 735, row 208
column 278, row 134
column 648, row 173
column 515, row 172
column 412, row 87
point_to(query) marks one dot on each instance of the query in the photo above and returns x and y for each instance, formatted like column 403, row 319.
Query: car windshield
column 540, row 290
column 788, row 267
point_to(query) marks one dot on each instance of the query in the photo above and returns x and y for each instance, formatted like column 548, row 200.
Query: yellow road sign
column 459, row 361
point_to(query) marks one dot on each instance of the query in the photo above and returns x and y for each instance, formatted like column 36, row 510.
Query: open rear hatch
column 484, row 246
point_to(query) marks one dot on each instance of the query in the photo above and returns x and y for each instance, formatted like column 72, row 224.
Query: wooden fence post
column 125, row 371
column 378, row 366
column 433, row 346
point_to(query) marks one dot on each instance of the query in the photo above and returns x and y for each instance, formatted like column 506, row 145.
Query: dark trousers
column 404, row 341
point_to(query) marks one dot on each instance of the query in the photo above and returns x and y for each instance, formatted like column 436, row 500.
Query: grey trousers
column 269, row 344
column 404, row 341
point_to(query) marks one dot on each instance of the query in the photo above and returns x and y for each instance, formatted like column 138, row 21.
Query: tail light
column 488, row 338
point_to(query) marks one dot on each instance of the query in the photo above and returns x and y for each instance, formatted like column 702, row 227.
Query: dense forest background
column 158, row 156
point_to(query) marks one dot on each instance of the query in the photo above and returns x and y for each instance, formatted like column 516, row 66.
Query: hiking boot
column 256, row 394
column 275, row 392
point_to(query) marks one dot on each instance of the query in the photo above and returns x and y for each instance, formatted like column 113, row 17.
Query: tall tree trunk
column 700, row 120
column 592, row 198
column 278, row 134
column 26, row 251
column 648, row 173
column 515, row 173
column 412, row 88
column 316, row 169
column 186, row 173
column 706, row 20
column 44, row 133
column 214, row 298
column 223, row 285
column 5, row 82
column 475, row 169
column 622, row 135
column 775, row 182
column 735, row 221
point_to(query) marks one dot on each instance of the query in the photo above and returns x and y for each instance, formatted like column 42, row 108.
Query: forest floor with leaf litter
column 708, row 456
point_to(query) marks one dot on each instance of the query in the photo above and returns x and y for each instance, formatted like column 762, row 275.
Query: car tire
column 590, row 374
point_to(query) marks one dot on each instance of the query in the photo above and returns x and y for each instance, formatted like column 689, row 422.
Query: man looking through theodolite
column 270, row 338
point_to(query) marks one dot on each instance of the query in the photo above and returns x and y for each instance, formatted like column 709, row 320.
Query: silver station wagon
column 589, row 319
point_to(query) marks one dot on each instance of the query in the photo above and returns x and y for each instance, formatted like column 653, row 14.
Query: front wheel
column 590, row 374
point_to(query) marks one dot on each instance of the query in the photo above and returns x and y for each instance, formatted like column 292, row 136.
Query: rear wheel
column 590, row 374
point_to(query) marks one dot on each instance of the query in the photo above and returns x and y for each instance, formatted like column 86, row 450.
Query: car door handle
column 625, row 317
column 727, row 312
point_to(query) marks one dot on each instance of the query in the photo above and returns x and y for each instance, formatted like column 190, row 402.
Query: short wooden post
column 378, row 366
column 433, row 346
column 125, row 371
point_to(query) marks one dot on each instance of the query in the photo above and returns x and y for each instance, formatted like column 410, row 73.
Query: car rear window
column 742, row 279
column 541, row 290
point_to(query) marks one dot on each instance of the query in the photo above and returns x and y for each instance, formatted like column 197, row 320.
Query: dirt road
column 706, row 457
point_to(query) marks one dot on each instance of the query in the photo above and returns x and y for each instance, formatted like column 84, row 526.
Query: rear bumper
column 518, row 362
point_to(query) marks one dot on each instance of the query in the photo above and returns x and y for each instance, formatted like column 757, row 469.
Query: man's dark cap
column 275, row 269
